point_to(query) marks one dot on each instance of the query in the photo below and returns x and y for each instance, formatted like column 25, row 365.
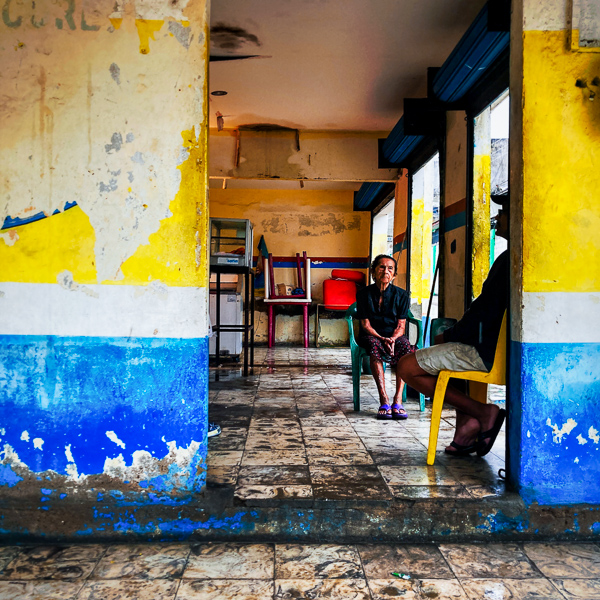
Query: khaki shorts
column 451, row 356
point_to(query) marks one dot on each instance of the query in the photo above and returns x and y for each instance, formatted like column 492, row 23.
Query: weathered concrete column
column 555, row 253
column 454, row 198
column 400, row 247
column 103, row 261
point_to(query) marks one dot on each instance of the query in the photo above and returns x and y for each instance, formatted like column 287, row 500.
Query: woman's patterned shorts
column 376, row 348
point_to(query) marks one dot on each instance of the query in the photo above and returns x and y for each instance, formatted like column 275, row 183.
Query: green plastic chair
column 358, row 353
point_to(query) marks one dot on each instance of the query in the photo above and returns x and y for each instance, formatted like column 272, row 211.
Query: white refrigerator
column 231, row 314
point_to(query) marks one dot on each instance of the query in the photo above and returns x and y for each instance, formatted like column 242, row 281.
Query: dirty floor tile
column 513, row 589
column 314, row 561
column 274, row 457
column 316, row 589
column 39, row 590
column 572, row 561
column 416, row 492
column 8, row 554
column 281, row 492
column 220, row 458
column 273, row 475
column 348, row 482
column 224, row 475
column 489, row 560
column 225, row 589
column 54, row 562
column 578, row 589
column 136, row 590
column 274, row 440
column 417, row 560
column 227, row 560
column 319, row 456
column 441, row 589
column 143, row 561
column 417, row 475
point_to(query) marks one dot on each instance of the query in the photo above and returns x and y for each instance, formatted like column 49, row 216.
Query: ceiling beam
column 283, row 153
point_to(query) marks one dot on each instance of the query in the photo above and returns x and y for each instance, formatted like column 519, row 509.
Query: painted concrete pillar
column 400, row 247
column 103, row 261
column 555, row 251
column 482, row 179
column 420, row 237
column 452, row 273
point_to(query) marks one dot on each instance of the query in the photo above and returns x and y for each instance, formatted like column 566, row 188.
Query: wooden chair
column 272, row 300
column 358, row 352
column 478, row 382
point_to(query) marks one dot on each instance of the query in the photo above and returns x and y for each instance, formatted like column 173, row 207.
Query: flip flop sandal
column 490, row 434
column 384, row 416
column 461, row 450
column 399, row 416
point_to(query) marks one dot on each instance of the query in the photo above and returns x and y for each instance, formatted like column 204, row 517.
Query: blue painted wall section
column 558, row 424
column 67, row 393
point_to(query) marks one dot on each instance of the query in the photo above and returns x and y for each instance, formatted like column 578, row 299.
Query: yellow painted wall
column 420, row 241
column 400, row 228
column 561, row 173
column 80, row 89
column 482, row 177
column 379, row 244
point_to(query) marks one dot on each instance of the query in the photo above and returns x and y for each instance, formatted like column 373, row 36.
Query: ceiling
column 327, row 64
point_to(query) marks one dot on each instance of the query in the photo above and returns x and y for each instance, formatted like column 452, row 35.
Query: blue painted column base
column 89, row 414
column 554, row 428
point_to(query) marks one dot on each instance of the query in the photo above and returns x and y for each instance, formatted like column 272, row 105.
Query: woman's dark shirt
column 394, row 306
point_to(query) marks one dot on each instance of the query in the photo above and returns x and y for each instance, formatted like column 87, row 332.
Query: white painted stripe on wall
column 549, row 15
column 561, row 317
column 153, row 311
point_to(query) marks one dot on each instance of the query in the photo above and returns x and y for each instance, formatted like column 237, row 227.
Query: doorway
column 424, row 239
column 382, row 238
column 490, row 175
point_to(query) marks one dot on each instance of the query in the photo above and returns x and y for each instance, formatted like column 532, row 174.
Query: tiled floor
column 232, row 571
column 290, row 434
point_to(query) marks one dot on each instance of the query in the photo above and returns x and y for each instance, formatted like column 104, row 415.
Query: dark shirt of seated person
column 382, row 309
column 469, row 345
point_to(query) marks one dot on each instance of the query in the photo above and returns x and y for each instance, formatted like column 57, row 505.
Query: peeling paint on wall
column 126, row 163
column 558, row 434
column 102, row 185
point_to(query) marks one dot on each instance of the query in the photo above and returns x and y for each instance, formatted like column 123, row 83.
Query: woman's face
column 385, row 271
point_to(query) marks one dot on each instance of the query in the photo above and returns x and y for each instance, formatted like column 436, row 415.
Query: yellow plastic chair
column 478, row 382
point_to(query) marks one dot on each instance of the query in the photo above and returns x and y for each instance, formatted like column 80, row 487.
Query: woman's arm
column 366, row 327
column 399, row 331
column 389, row 341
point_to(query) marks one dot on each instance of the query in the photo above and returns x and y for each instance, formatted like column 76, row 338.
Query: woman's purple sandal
column 384, row 416
column 399, row 416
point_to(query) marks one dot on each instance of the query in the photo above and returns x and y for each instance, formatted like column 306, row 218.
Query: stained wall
column 454, row 211
column 400, row 246
column 103, row 261
column 322, row 223
column 555, row 252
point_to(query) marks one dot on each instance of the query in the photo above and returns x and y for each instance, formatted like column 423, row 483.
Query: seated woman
column 382, row 309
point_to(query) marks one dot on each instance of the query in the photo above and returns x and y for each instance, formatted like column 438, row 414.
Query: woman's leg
column 402, row 347
column 376, row 351
column 379, row 376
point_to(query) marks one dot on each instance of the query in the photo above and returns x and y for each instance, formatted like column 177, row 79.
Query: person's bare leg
column 379, row 377
column 399, row 387
column 484, row 414
column 466, row 431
